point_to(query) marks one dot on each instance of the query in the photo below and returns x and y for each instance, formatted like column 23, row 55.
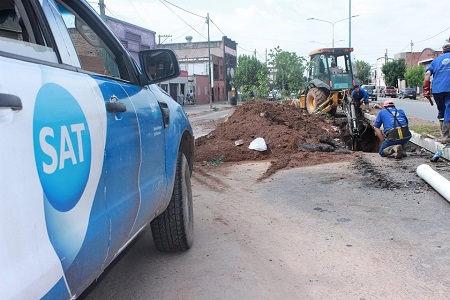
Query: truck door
column 52, row 128
column 151, row 176
column 133, row 170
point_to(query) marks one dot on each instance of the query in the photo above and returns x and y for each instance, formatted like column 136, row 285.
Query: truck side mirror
column 159, row 65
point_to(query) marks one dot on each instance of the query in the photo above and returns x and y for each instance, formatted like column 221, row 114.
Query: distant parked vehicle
column 410, row 93
column 274, row 95
column 371, row 90
column 390, row 91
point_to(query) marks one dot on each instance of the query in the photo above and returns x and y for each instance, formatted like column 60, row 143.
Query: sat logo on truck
column 62, row 146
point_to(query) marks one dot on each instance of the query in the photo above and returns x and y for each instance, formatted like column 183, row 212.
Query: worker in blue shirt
column 390, row 117
column 359, row 94
column 440, row 69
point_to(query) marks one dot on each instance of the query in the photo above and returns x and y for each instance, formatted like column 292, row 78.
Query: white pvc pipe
column 436, row 180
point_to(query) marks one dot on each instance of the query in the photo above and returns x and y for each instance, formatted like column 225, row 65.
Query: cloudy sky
column 380, row 26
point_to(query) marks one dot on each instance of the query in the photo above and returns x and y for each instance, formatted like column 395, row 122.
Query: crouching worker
column 395, row 130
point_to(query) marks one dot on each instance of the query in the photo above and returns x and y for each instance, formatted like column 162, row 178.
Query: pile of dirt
column 293, row 137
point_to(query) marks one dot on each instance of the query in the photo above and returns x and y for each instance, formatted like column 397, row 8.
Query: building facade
column 194, row 59
column 425, row 57
column 136, row 39
column 133, row 37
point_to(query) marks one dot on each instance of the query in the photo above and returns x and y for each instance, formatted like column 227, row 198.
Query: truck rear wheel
column 314, row 98
column 173, row 230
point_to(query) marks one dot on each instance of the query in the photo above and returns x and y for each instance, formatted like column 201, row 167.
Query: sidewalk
column 205, row 108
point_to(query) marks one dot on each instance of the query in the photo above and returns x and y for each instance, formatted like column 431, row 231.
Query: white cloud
column 261, row 25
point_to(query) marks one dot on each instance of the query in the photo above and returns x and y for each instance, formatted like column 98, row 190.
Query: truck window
column 21, row 35
column 94, row 54
column 342, row 63
column 318, row 67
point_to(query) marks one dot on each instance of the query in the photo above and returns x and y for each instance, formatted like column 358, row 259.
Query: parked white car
column 274, row 95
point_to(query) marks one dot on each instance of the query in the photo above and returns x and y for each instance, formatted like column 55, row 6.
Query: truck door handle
column 115, row 106
column 10, row 101
column 165, row 113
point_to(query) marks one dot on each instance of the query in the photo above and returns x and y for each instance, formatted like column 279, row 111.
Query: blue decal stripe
column 58, row 291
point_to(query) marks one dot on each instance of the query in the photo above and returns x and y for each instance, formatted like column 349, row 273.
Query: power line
column 433, row 36
column 218, row 27
column 182, row 9
column 137, row 11
column 162, row 1
column 197, row 15
column 115, row 14
column 427, row 39
column 184, row 33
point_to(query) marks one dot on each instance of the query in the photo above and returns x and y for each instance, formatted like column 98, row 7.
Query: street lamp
column 324, row 43
column 318, row 43
column 332, row 23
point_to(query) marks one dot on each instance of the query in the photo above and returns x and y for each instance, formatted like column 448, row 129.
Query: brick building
column 193, row 58
column 415, row 58
column 426, row 56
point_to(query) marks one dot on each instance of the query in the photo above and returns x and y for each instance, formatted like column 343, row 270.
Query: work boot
column 398, row 150
column 444, row 139
column 404, row 150
column 389, row 151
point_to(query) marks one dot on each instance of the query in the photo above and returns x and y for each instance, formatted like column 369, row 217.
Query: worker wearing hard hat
column 395, row 130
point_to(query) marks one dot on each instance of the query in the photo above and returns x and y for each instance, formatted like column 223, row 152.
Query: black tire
column 314, row 98
column 173, row 230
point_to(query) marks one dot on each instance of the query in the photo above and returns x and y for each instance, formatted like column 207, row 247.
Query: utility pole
column 160, row 36
column 412, row 44
column 209, row 62
column 101, row 4
column 349, row 23
column 266, row 57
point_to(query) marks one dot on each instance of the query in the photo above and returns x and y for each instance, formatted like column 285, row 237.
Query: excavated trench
column 366, row 139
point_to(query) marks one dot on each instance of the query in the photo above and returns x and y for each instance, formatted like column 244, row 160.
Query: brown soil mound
column 294, row 138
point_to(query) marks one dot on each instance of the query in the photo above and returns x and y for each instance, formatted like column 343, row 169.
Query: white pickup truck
column 92, row 150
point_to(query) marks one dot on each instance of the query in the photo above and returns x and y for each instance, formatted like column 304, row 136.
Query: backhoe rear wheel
column 314, row 98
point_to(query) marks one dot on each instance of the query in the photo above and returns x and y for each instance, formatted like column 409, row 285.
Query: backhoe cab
column 330, row 80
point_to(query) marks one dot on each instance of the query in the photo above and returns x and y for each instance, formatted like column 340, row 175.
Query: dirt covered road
column 327, row 225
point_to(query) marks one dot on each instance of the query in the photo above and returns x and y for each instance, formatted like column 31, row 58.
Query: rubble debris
column 285, row 129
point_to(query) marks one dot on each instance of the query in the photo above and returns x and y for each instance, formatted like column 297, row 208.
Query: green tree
column 250, row 75
column 393, row 71
column 289, row 69
column 362, row 71
column 414, row 76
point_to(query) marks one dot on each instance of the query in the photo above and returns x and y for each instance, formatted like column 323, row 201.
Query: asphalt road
column 323, row 232
column 362, row 229
column 419, row 108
